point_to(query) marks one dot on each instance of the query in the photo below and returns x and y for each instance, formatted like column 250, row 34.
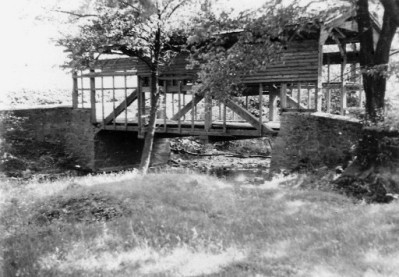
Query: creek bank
column 244, row 161
column 374, row 174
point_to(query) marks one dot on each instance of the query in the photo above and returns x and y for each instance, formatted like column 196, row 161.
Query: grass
column 191, row 225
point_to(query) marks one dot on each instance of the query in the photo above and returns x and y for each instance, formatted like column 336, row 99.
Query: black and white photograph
column 199, row 138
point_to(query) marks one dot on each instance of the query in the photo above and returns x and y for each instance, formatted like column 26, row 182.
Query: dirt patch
column 84, row 207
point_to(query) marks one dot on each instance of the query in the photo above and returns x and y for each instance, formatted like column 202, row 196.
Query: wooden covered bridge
column 318, row 71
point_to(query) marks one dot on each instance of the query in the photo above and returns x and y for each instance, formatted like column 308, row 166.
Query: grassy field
column 191, row 225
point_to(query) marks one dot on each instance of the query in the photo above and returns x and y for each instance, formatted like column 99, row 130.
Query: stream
column 243, row 170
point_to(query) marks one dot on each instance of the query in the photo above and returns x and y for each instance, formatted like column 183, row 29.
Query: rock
column 339, row 170
column 258, row 180
column 26, row 174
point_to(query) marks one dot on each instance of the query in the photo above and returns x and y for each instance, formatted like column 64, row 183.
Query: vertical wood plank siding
column 298, row 64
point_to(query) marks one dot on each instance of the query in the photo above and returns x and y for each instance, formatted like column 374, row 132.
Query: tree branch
column 76, row 14
column 137, row 54
column 391, row 7
column 385, row 40
column 130, row 5
column 175, row 8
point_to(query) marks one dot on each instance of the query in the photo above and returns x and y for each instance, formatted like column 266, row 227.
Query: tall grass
column 192, row 225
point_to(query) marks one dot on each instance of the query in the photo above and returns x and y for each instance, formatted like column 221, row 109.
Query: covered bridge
column 317, row 72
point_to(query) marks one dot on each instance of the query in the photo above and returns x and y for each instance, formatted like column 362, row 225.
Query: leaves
column 130, row 28
column 227, row 48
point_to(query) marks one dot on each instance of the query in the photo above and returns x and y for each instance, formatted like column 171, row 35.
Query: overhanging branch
column 76, row 14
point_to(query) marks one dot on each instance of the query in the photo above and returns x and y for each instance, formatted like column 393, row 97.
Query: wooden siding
column 298, row 64
column 178, row 67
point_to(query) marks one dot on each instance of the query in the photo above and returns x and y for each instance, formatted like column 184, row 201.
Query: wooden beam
column 260, row 105
column 328, row 96
column 173, row 103
column 108, row 74
column 179, row 102
column 93, row 98
column 189, row 106
column 328, row 100
column 121, row 107
column 179, row 77
column 283, row 95
column 247, row 116
column 75, row 90
column 172, row 89
column 184, row 104
column 339, row 20
column 208, row 112
column 340, row 33
column 225, row 117
column 272, row 106
column 343, row 88
column 81, row 86
column 299, row 95
column 140, row 130
column 324, row 34
column 164, row 105
column 113, row 100
column 102, row 101
column 294, row 102
column 125, row 101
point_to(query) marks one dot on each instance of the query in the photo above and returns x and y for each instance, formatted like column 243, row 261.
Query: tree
column 374, row 55
column 152, row 31
column 233, row 47
column 262, row 35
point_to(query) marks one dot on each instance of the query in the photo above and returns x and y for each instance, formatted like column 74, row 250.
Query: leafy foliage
column 152, row 31
column 143, row 29
column 226, row 48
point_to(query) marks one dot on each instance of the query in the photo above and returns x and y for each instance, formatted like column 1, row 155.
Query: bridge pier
column 313, row 140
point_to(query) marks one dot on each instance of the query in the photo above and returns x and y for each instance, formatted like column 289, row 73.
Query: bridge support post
column 208, row 112
column 93, row 97
column 260, row 108
column 272, row 106
column 283, row 96
column 343, row 88
column 140, row 107
column 324, row 33
column 75, row 90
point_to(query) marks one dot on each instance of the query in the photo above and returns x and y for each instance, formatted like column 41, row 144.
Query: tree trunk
column 374, row 58
column 150, row 134
column 374, row 87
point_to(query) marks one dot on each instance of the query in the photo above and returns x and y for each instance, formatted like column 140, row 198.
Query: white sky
column 29, row 59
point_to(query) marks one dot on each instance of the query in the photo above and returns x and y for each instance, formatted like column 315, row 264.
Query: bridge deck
column 195, row 128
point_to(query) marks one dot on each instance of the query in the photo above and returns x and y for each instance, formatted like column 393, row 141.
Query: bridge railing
column 300, row 96
column 107, row 94
column 121, row 99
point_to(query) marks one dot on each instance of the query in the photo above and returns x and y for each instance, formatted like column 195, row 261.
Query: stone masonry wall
column 80, row 137
column 92, row 149
column 313, row 140
column 71, row 129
